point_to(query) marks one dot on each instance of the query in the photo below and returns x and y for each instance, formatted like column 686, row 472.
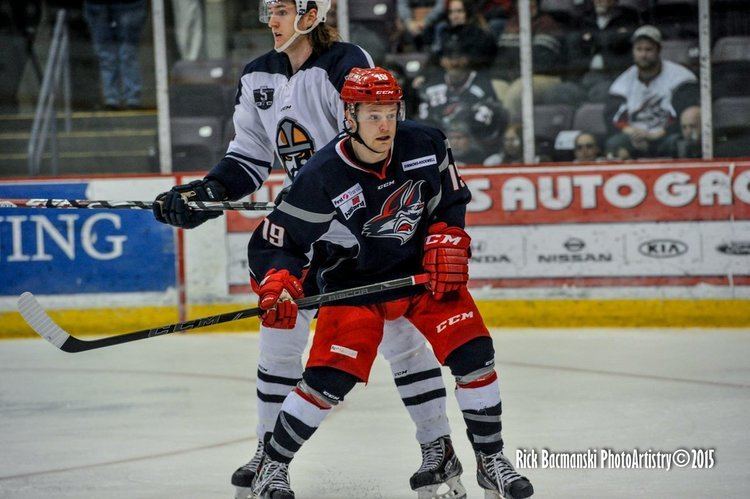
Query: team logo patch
column 399, row 215
column 413, row 164
column 263, row 97
column 350, row 201
column 294, row 145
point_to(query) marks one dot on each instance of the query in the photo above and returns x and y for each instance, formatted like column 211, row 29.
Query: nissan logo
column 574, row 244
column 663, row 248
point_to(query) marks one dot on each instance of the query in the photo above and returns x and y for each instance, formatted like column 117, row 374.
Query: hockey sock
column 272, row 390
column 420, row 385
column 301, row 414
column 479, row 400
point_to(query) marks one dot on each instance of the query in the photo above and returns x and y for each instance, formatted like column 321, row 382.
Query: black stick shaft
column 73, row 344
column 130, row 205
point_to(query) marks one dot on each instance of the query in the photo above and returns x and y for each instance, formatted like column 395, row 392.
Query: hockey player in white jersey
column 288, row 106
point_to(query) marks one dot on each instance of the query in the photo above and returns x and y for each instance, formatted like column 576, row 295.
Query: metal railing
column 56, row 80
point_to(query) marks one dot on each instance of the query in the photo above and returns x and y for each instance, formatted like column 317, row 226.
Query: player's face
column 282, row 16
column 645, row 54
column 377, row 125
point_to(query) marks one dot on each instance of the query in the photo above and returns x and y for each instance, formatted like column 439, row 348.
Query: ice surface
column 174, row 416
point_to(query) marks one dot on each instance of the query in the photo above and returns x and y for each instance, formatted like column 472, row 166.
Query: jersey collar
column 355, row 163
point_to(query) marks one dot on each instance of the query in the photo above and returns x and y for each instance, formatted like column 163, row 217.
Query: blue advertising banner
column 51, row 251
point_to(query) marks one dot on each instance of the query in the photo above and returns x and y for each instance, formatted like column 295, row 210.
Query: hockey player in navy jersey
column 390, row 191
column 287, row 107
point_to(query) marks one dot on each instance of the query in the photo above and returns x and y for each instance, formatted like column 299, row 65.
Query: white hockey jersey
column 283, row 116
column 648, row 106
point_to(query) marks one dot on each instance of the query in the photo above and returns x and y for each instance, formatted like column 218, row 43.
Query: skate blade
column 450, row 489
column 491, row 494
column 243, row 493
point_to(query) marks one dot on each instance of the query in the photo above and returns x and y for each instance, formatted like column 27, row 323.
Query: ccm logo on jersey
column 350, row 201
column 454, row 320
column 413, row 164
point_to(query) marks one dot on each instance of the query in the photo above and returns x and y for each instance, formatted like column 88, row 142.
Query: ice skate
column 242, row 479
column 499, row 479
column 272, row 481
column 439, row 477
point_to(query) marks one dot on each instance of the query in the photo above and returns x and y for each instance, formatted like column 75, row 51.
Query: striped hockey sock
column 301, row 414
column 272, row 390
column 480, row 404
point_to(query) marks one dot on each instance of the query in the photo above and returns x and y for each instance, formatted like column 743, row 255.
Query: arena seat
column 683, row 51
column 731, row 114
column 731, row 65
column 590, row 118
column 549, row 119
column 196, row 142
column 197, row 100
column 414, row 63
column 210, row 71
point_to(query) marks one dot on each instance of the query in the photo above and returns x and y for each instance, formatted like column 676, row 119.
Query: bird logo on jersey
column 294, row 145
column 400, row 214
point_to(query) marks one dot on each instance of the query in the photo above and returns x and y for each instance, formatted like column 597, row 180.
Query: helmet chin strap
column 297, row 33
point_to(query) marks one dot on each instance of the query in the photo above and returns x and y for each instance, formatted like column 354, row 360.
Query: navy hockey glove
column 275, row 294
column 170, row 207
column 446, row 258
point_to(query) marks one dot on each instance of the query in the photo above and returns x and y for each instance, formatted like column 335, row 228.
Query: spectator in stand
column 458, row 89
column 466, row 150
column 18, row 28
column 188, row 28
column 599, row 49
column 546, row 53
column 687, row 143
column 116, row 27
column 587, row 149
column 646, row 99
column 512, row 147
column 418, row 18
column 465, row 23
column 496, row 13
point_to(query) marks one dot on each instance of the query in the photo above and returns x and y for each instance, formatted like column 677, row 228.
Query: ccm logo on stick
column 442, row 239
column 454, row 320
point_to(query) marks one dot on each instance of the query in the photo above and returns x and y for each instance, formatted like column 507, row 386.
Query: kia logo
column 574, row 244
column 739, row 248
column 663, row 248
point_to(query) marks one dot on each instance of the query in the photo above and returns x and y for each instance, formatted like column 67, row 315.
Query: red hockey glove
column 276, row 292
column 446, row 258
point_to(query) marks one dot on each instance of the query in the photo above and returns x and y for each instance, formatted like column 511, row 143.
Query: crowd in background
column 606, row 55
column 612, row 79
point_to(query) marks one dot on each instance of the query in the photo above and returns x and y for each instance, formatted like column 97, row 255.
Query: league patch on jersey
column 399, row 215
column 413, row 164
column 350, row 201
column 294, row 145
column 263, row 97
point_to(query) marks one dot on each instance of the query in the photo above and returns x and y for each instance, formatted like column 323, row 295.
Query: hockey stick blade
column 35, row 316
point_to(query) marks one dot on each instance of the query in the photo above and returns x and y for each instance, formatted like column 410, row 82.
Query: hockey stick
column 130, row 205
column 42, row 324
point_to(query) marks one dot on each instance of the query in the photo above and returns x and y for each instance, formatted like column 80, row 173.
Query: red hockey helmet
column 371, row 85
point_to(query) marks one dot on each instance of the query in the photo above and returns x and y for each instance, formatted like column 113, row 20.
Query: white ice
column 174, row 416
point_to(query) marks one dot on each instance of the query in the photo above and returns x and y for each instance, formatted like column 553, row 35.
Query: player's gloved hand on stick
column 446, row 258
column 275, row 294
column 171, row 207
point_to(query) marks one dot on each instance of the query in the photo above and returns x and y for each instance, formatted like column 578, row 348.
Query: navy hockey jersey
column 374, row 223
column 284, row 118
